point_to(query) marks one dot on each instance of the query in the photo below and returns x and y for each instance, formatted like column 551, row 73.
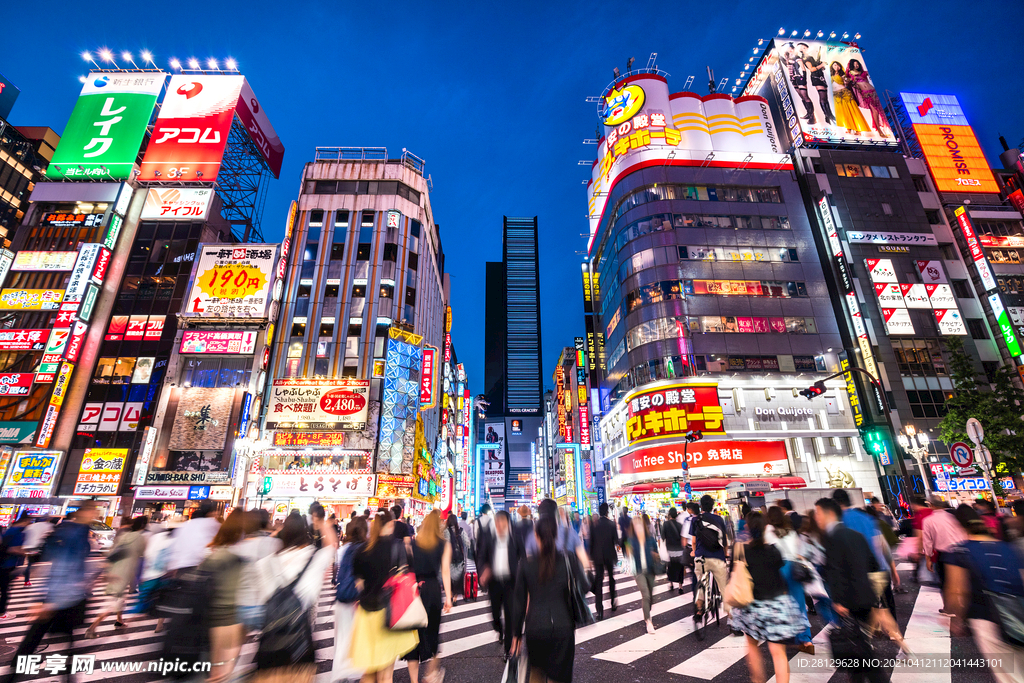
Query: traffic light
column 813, row 391
column 694, row 435
column 675, row 488
column 875, row 444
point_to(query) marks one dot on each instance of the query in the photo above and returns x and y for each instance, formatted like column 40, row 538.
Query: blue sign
column 198, row 492
column 688, row 489
column 600, row 494
column 243, row 421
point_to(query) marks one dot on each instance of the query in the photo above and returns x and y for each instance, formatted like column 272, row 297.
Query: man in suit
column 603, row 539
column 848, row 559
column 498, row 560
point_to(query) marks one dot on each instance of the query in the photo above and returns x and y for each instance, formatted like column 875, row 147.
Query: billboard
column 31, row 474
column 321, row 485
column 988, row 280
column 428, row 393
column 952, row 151
column 202, row 419
column 23, row 340
column 177, row 203
column 673, row 410
column 100, row 471
column 494, row 457
column 824, row 91
column 231, row 281
column 255, row 120
column 230, row 342
column 191, row 132
column 105, row 131
column 340, row 403
column 31, row 299
column 1005, row 324
column 706, row 458
column 44, row 260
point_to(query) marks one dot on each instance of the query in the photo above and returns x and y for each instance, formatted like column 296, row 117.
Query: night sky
column 493, row 97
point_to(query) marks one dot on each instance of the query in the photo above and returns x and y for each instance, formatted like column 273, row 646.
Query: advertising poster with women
column 832, row 93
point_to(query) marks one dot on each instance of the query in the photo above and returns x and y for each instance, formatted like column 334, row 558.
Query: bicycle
column 708, row 594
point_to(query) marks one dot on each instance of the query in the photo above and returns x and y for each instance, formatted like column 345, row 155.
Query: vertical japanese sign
column 104, row 133
column 428, row 392
column 988, row 280
column 1005, row 325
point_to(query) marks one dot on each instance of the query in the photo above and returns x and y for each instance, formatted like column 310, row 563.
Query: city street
column 617, row 649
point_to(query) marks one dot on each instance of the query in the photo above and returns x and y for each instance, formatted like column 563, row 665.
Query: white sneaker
column 650, row 626
column 6, row 615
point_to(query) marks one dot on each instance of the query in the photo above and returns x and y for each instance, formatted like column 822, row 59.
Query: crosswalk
column 617, row 642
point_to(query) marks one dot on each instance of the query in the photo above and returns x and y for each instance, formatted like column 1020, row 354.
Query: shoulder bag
column 404, row 608
column 581, row 615
column 739, row 592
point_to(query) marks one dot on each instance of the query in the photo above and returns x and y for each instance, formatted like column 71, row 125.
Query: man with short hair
column 498, row 572
column 940, row 534
column 709, row 541
column 191, row 541
column 795, row 518
column 602, row 553
column 401, row 528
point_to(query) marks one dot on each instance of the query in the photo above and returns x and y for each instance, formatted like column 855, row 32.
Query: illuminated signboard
column 851, row 389
column 835, row 244
column 339, row 403
column 100, row 471
column 825, row 92
column 988, row 280
column 220, row 342
column 897, row 321
column 231, row 281
column 428, row 392
column 881, row 270
column 60, row 219
column 6, row 259
column 177, row 203
column 330, row 439
column 881, row 238
column 254, row 118
column 31, row 474
column 102, row 138
column 31, row 299
column 1005, row 325
column 23, row 340
column 81, row 274
column 646, row 126
column 672, row 411
column 585, row 426
column 15, row 383
column 44, row 260
column 954, row 156
column 950, row 321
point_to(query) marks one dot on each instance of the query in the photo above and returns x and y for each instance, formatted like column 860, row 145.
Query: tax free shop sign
column 705, row 459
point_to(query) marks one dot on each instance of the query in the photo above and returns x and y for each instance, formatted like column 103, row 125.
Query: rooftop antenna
column 711, row 81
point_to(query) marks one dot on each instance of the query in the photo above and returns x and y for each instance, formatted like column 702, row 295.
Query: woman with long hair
column 345, row 605
column 672, row 531
column 866, row 96
column 847, row 112
column 430, row 561
column 773, row 616
column 814, row 552
column 642, row 551
column 124, row 558
column 300, row 562
column 542, row 606
column 459, row 542
column 779, row 532
column 375, row 647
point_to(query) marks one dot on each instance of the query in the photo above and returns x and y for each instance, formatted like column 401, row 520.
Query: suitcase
column 470, row 585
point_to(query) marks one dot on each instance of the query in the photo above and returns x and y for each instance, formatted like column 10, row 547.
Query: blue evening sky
column 491, row 95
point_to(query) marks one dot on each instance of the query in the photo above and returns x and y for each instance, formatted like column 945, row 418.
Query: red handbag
column 404, row 609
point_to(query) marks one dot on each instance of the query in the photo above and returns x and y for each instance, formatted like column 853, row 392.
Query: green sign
column 88, row 302
column 112, row 232
column 1005, row 326
column 17, row 432
column 104, row 133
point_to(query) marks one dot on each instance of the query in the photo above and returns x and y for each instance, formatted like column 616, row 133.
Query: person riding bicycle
column 709, row 542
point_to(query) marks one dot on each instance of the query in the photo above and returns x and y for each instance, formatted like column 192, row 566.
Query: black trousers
column 870, row 674
column 500, row 592
column 599, row 572
column 62, row 621
column 6, row 576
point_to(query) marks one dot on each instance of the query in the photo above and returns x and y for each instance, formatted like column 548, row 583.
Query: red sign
column 23, row 340
column 225, row 341
column 427, row 376
column 102, row 263
column 968, row 230
column 673, row 411
column 115, row 329
column 65, row 318
column 15, row 383
column 584, row 425
column 154, row 327
column 724, row 457
column 448, row 347
column 251, row 113
column 342, row 402
column 1017, row 199
column 334, row 439
column 191, row 132
column 74, row 348
column 136, row 327
column 728, row 287
column 1001, row 241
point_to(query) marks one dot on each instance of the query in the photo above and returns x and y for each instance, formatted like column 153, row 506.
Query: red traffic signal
column 813, row 391
column 694, row 435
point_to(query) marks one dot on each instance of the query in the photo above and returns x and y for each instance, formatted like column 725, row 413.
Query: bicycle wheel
column 717, row 601
column 700, row 618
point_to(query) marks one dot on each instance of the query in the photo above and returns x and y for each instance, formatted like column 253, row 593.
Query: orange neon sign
column 955, row 158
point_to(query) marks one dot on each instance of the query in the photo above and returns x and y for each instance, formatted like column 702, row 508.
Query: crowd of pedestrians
column 224, row 578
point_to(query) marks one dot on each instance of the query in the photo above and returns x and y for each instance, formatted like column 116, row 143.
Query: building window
column 299, row 328
column 352, row 347
column 349, row 371
column 920, row 184
column 886, row 208
column 363, row 252
column 961, row 289
column 326, row 187
column 919, row 358
column 933, row 216
column 366, row 221
column 326, row 329
column 976, row 326
column 410, row 296
column 316, row 218
column 322, row 366
column 291, row 368
column 414, row 261
column 948, row 252
column 390, row 252
column 295, row 349
column 928, row 403
column 387, row 291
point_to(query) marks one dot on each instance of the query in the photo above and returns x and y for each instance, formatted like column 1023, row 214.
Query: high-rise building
column 512, row 364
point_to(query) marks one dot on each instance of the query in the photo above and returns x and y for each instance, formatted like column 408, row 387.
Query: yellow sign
column 232, row 281
column 31, row 299
column 60, row 387
column 100, row 472
column 620, row 105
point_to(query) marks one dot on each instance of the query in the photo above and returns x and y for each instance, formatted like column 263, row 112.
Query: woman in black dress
column 672, row 532
column 550, row 631
column 430, row 558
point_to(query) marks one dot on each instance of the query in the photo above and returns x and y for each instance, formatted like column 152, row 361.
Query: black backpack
column 708, row 533
column 458, row 552
column 287, row 637
column 186, row 605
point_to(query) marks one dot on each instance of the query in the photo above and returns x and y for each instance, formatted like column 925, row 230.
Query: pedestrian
column 498, row 563
column 774, row 616
column 603, row 557
column 796, row 520
column 459, row 541
column 124, row 558
column 940, row 534
column 13, row 555
column 69, row 585
column 848, row 559
column 346, row 595
column 742, row 535
column 430, row 559
column 984, row 564
column 375, row 647
column 286, row 649
column 463, row 521
column 625, row 525
column 920, row 511
column 154, row 572
column 547, row 627
column 192, row 539
column 524, row 525
column 402, row 529
column 672, row 531
column 35, row 538
column 988, row 513
column 317, row 515
column 256, row 544
column 642, row 550
column 709, row 542
column 814, row 552
column 224, row 565
column 566, row 538
column 780, row 534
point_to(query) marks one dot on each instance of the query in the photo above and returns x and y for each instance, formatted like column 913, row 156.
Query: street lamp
column 916, row 443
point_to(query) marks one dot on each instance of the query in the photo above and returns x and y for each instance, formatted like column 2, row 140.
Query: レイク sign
column 706, row 458
column 672, row 411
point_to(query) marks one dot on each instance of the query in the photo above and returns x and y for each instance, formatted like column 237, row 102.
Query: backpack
column 186, row 605
column 708, row 533
column 287, row 636
column 346, row 580
column 458, row 552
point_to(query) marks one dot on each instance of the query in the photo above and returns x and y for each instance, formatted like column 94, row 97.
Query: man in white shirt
column 192, row 539
column 499, row 562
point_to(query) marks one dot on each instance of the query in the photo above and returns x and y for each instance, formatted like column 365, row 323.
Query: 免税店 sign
column 672, row 411
column 705, row 458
